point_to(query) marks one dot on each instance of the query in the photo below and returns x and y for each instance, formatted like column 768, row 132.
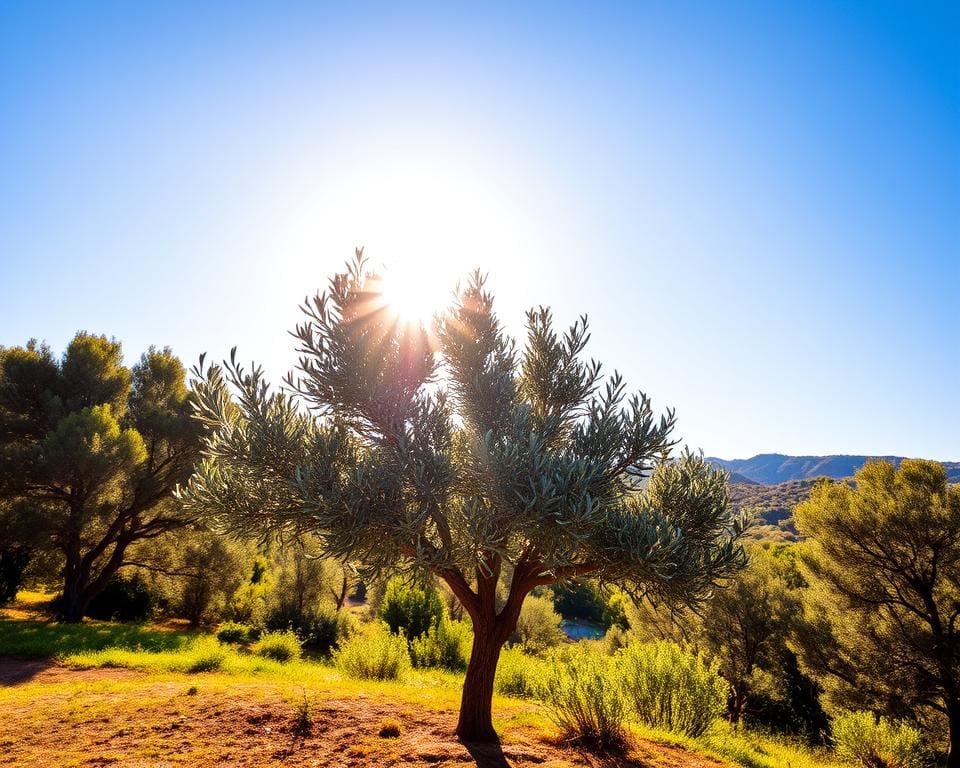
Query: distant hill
column 772, row 504
column 772, row 468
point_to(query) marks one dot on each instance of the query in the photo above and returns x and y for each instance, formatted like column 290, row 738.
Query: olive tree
column 446, row 449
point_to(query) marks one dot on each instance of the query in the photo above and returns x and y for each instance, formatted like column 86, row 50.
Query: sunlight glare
column 425, row 221
column 412, row 297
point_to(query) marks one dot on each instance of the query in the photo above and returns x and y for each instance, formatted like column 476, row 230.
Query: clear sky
column 758, row 204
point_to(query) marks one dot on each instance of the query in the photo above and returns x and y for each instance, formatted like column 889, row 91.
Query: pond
column 578, row 629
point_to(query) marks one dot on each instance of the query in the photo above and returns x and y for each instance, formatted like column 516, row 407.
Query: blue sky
column 758, row 204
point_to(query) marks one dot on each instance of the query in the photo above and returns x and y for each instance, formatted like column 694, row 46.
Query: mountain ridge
column 774, row 468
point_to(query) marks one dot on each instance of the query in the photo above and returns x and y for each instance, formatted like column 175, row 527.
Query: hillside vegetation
column 775, row 468
column 773, row 506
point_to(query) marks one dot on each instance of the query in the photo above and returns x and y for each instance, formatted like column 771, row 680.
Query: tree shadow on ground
column 14, row 671
column 487, row 755
column 491, row 755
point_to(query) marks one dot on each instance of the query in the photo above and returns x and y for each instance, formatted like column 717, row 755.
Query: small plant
column 235, row 632
column 303, row 716
column 519, row 674
column 538, row 628
column 584, row 700
column 410, row 608
column 444, row 646
column 193, row 690
column 279, row 646
column 671, row 688
column 875, row 742
column 383, row 656
column 204, row 655
column 389, row 728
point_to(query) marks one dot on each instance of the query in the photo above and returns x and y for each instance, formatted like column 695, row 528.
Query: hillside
column 773, row 468
column 774, row 505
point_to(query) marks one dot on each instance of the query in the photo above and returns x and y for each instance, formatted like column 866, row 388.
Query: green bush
column 410, row 608
column 249, row 603
column 878, row 743
column 671, row 688
column 444, row 646
column 124, row 598
column 615, row 611
column 584, row 700
column 322, row 628
column 204, row 655
column 234, row 632
column 279, row 646
column 538, row 628
column 382, row 656
column 520, row 674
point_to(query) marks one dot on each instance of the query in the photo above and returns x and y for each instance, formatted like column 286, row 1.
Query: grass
column 47, row 639
column 750, row 750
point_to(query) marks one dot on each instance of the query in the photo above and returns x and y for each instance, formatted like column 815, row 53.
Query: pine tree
column 90, row 454
column 882, row 612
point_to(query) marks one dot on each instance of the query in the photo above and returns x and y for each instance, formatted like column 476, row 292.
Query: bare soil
column 142, row 722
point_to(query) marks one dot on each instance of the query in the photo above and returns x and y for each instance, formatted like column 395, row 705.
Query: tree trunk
column 73, row 602
column 80, row 587
column 735, row 703
column 953, row 720
column 476, row 705
column 342, row 596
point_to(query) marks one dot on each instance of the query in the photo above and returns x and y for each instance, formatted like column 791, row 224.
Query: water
column 577, row 629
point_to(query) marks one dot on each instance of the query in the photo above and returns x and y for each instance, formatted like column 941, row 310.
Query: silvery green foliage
column 450, row 450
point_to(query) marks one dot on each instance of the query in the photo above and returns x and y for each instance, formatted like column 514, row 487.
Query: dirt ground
column 114, row 717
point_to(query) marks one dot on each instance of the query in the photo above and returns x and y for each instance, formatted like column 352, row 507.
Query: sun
column 413, row 298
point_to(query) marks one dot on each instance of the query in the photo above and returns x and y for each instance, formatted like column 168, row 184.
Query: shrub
column 584, row 700
column 124, row 598
column 382, row 656
column 322, row 628
column 614, row 640
column 411, row 608
column 279, row 646
column 519, row 674
column 204, row 655
column 445, row 646
column 671, row 688
column 615, row 611
column 538, row 628
column 213, row 567
column 234, row 632
column 389, row 728
column 249, row 603
column 878, row 743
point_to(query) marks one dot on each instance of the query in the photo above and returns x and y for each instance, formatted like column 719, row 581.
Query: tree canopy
column 883, row 561
column 90, row 453
column 448, row 450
